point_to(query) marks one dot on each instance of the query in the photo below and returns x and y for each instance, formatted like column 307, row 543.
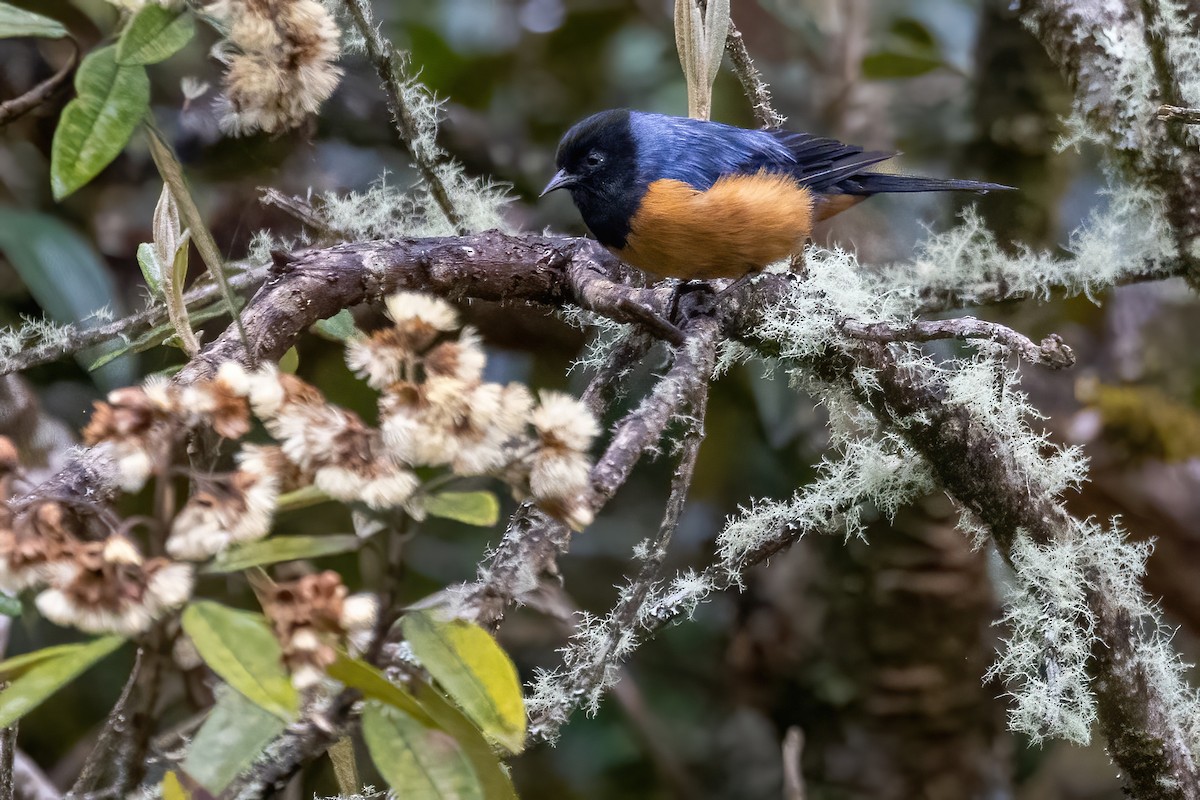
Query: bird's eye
column 594, row 159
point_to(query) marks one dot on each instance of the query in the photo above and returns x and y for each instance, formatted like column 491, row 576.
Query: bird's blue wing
column 699, row 153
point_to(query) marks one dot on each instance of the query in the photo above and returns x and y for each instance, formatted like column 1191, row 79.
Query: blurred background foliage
column 874, row 651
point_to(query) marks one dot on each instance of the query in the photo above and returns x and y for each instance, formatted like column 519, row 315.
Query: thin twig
column 72, row 339
column 756, row 89
column 1187, row 116
column 302, row 211
column 793, row 775
column 116, row 723
column 1052, row 352
column 24, row 103
column 389, row 65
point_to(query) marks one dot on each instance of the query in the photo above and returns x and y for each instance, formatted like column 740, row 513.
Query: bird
column 693, row 199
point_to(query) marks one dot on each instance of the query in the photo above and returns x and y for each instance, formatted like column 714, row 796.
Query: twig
column 303, row 212
column 793, row 776
column 756, row 89
column 1187, row 116
column 116, row 723
column 72, row 339
column 389, row 65
column 1052, row 352
column 8, row 752
column 24, row 103
column 594, row 668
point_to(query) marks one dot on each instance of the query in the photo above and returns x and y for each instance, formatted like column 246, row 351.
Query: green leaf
column 473, row 508
column 65, row 275
column 475, row 672
column 886, row 65
column 282, row 548
column 914, row 33
column 242, row 650
column 290, row 361
column 42, row 673
column 419, row 762
column 374, row 684
column 19, row 22
column 94, row 128
column 230, row 739
column 338, row 328
column 10, row 606
column 304, row 497
column 151, row 270
column 158, row 334
column 153, row 35
column 497, row 785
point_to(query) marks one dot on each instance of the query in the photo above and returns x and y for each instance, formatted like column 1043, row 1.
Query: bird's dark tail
column 877, row 182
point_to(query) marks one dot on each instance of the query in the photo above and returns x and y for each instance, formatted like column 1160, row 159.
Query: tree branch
column 1187, row 116
column 756, row 89
column 1052, row 352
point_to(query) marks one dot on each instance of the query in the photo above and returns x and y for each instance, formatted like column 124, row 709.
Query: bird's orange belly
column 740, row 225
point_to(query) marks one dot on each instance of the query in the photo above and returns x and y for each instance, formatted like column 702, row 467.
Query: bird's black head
column 597, row 164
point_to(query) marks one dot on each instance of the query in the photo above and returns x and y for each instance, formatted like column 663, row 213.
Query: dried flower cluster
column 313, row 616
column 435, row 410
column 86, row 575
column 279, row 57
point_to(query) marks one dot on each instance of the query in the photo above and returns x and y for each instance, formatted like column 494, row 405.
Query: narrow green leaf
column 374, row 684
column 171, row 172
column 230, row 739
column 282, row 548
column 242, row 650
column 158, row 334
column 473, row 508
column 417, row 761
column 303, row 497
column 914, row 34
column 882, row 66
column 94, row 128
column 338, row 328
column 19, row 22
column 475, row 672
column 497, row 785
column 151, row 270
column 43, row 673
column 290, row 361
column 154, row 34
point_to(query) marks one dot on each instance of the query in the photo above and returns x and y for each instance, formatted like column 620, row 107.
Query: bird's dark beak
column 561, row 180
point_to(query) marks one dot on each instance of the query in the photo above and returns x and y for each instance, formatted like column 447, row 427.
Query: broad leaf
column 235, row 732
column 282, row 548
column 419, row 762
column 497, row 785
column 881, row 66
column 242, row 650
column 475, row 672
column 65, row 275
column 19, row 22
column 111, row 100
column 43, row 673
column 372, row 683
column 473, row 508
column 154, row 34
column 338, row 328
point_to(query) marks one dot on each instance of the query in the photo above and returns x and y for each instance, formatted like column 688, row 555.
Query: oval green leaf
column 473, row 508
column 44, row 672
column 419, row 762
column 475, row 672
column 94, row 128
column 356, row 674
column 497, row 785
column 282, row 548
column 242, row 650
column 338, row 328
column 235, row 732
column 154, row 34
column 883, row 66
column 19, row 22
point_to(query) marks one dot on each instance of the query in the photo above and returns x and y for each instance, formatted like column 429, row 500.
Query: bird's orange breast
column 739, row 225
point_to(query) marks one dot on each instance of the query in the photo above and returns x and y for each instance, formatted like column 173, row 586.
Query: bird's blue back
column 699, row 153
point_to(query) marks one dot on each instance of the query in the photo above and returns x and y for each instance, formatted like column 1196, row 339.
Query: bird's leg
column 684, row 288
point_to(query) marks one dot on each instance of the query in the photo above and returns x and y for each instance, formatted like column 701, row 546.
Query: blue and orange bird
column 686, row 198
